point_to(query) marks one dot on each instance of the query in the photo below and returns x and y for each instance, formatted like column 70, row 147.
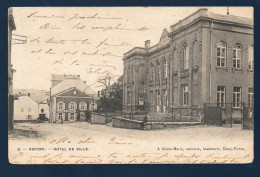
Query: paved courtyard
column 83, row 129
column 193, row 144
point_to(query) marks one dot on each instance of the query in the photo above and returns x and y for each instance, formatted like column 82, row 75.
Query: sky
column 88, row 41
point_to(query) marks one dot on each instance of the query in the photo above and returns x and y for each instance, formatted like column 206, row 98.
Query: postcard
column 130, row 85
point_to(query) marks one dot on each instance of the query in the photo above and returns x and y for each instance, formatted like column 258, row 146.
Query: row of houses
column 206, row 58
column 69, row 99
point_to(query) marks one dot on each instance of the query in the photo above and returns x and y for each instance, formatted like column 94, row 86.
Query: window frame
column 185, row 95
column 237, row 104
column 72, row 113
column 60, row 106
column 60, row 116
column 219, row 96
column 251, row 57
column 152, row 73
column 72, row 103
column 220, row 58
column 186, row 57
column 250, row 97
column 165, row 69
column 82, row 104
column 236, row 59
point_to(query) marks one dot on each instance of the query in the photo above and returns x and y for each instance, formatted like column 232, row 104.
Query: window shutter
column 63, row 106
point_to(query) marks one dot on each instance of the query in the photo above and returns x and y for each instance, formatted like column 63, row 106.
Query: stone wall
column 98, row 118
column 120, row 122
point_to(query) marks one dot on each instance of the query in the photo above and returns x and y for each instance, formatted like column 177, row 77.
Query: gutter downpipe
column 210, row 85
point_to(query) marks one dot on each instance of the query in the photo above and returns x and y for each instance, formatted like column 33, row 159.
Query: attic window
column 74, row 92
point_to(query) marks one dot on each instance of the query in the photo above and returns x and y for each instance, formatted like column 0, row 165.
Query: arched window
column 186, row 57
column 250, row 57
column 165, row 69
column 237, row 55
column 221, row 54
column 152, row 73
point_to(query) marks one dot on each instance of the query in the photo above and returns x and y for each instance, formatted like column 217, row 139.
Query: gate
column 10, row 112
column 212, row 115
column 248, row 117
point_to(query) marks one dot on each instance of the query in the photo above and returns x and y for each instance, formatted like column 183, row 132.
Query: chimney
column 29, row 95
column 84, row 82
column 147, row 44
column 78, row 75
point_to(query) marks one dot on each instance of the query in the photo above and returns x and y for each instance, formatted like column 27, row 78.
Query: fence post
column 231, row 114
column 242, row 115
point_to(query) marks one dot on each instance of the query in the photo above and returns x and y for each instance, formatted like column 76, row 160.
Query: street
column 81, row 138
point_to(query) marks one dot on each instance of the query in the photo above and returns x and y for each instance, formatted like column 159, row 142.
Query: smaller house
column 25, row 109
column 44, row 111
column 71, row 99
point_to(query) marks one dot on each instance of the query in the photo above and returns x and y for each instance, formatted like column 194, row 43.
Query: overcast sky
column 88, row 41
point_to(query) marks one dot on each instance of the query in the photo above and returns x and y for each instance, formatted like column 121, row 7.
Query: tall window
column 221, row 94
column 60, row 105
column 158, row 98
column 128, row 97
column 221, row 54
column 71, row 116
column 251, row 97
column 72, row 106
column 165, row 98
column 185, row 95
column 165, row 69
column 237, row 55
column 60, row 116
column 237, row 97
column 159, row 72
column 29, row 117
column 251, row 57
column 152, row 73
column 21, row 109
column 186, row 57
column 151, row 97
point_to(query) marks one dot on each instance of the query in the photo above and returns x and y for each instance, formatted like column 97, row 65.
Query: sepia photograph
column 131, row 85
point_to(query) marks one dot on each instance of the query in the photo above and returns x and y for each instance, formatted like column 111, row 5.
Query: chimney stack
column 29, row 95
column 85, row 82
column 78, row 75
column 147, row 44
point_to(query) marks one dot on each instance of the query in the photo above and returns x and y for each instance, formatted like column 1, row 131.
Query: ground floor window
column 237, row 97
column 185, row 95
column 151, row 97
column 158, row 101
column 251, row 97
column 221, row 94
column 29, row 117
column 60, row 116
column 72, row 116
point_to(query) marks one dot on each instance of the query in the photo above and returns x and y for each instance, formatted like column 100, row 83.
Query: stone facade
column 205, row 58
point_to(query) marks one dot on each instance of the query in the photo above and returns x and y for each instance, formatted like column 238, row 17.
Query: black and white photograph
column 131, row 85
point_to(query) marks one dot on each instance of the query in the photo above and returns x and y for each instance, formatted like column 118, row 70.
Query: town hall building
column 204, row 58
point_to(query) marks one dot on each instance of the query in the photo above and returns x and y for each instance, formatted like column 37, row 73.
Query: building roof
column 26, row 100
column 58, row 77
column 73, row 83
column 203, row 13
column 36, row 95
